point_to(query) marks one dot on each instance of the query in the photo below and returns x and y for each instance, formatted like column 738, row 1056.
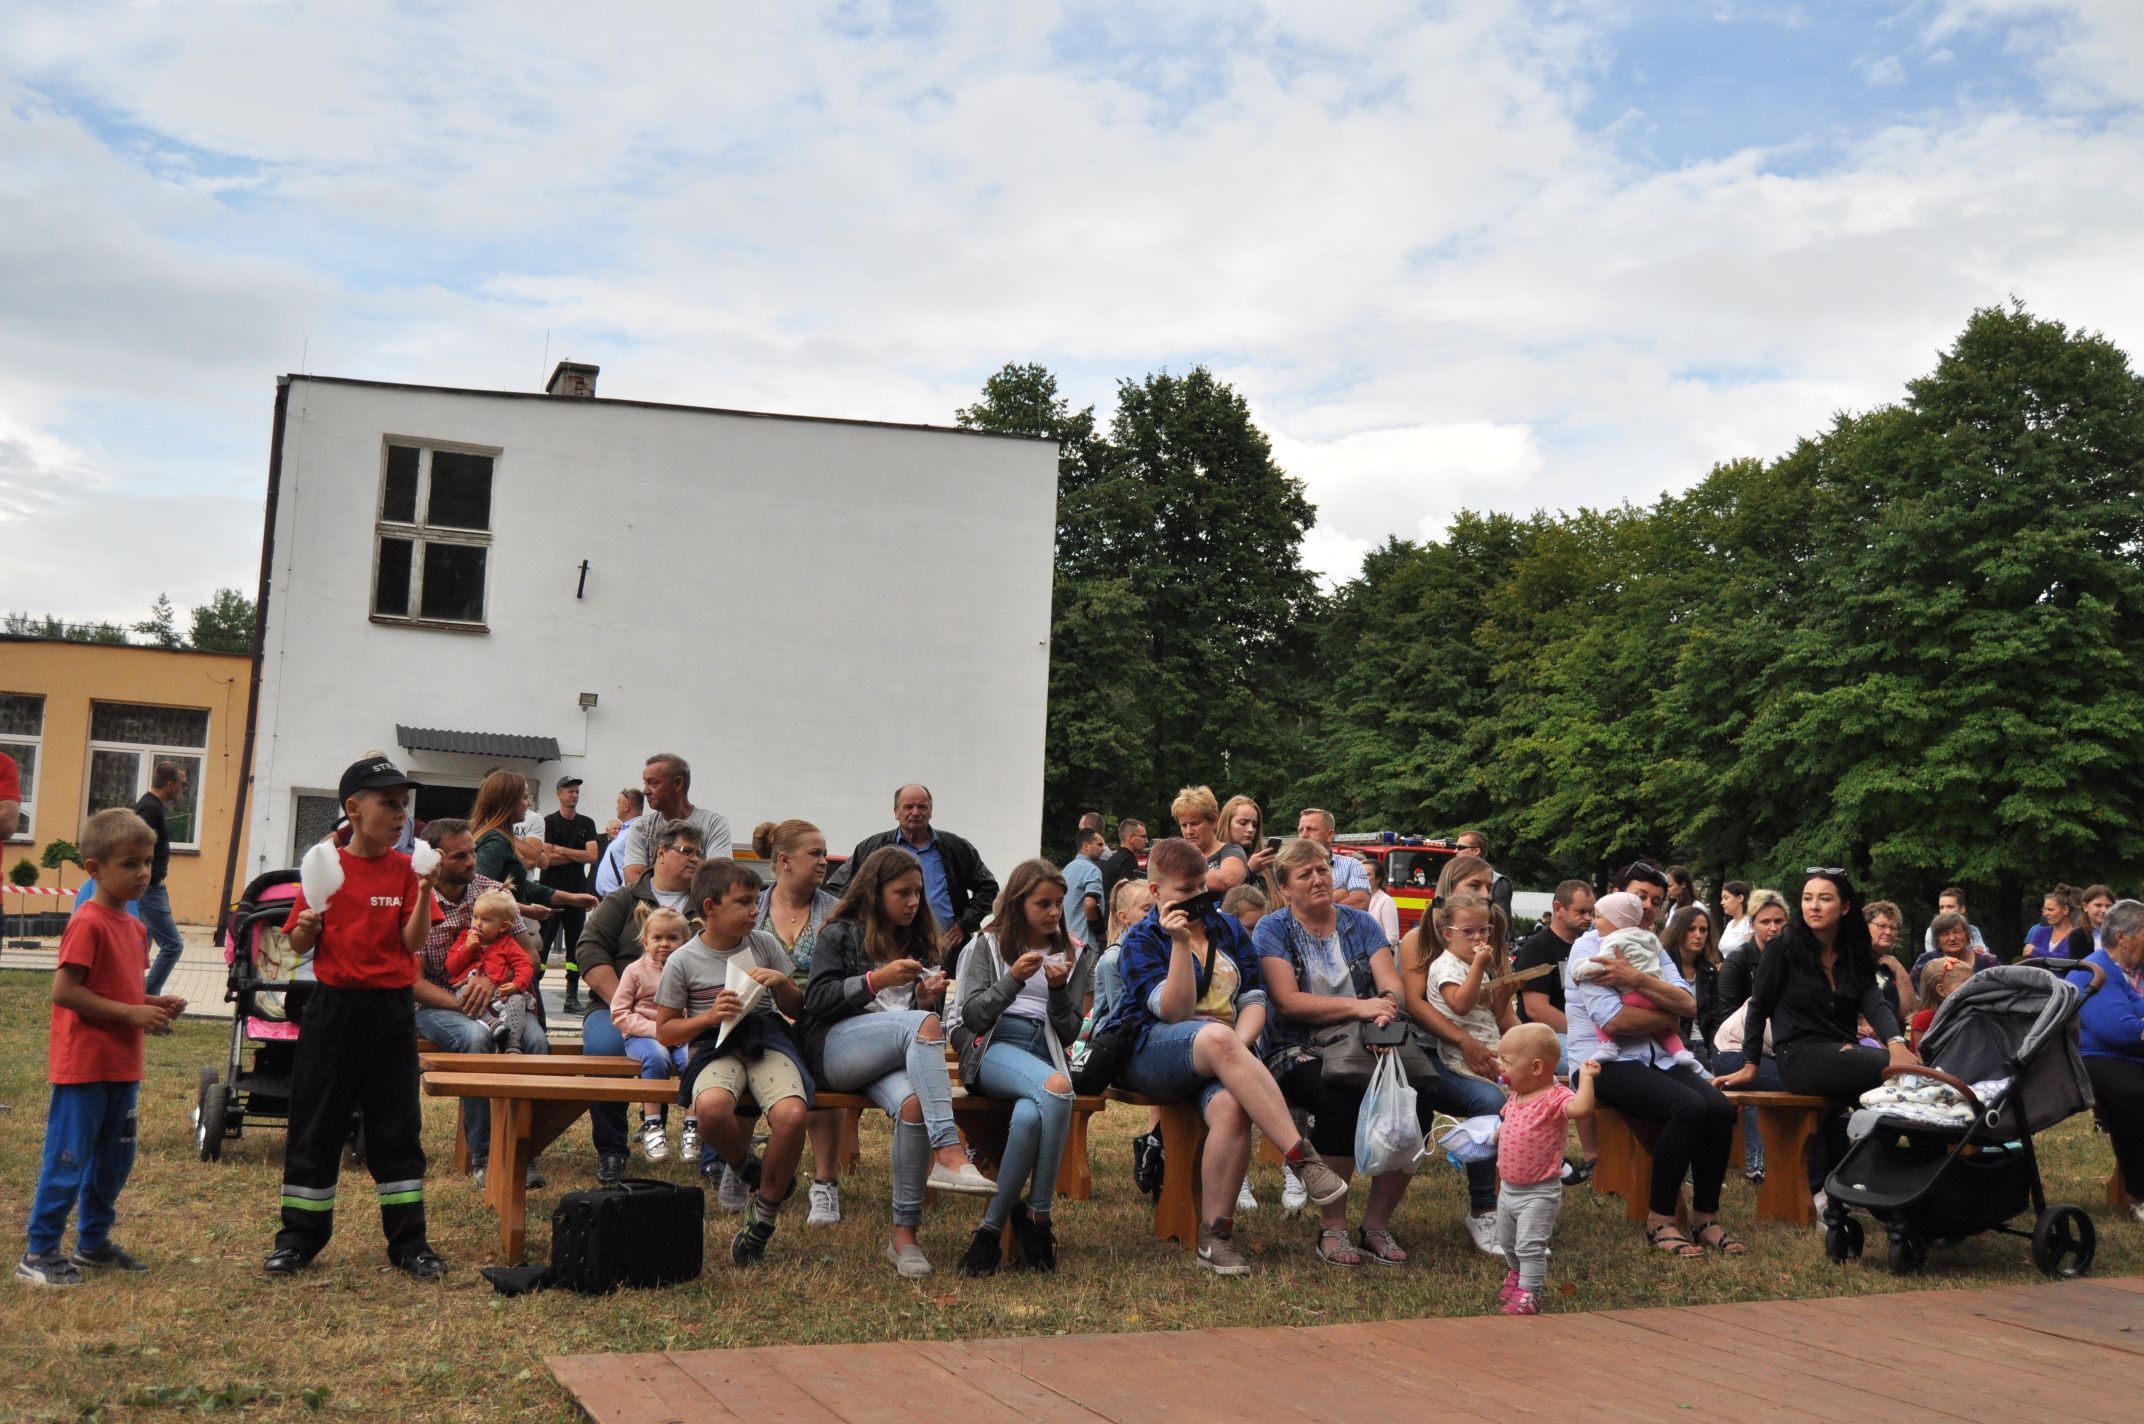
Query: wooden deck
column 2070, row 1353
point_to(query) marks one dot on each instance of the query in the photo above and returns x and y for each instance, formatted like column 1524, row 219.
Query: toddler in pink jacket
column 632, row 1009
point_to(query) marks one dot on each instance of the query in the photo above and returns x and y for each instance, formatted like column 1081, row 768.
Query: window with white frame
column 127, row 740
column 432, row 543
column 22, row 736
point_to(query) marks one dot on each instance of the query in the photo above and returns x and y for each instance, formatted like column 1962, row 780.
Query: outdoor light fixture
column 588, row 700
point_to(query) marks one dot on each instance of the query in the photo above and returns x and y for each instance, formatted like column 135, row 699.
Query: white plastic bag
column 1388, row 1138
column 1466, row 1140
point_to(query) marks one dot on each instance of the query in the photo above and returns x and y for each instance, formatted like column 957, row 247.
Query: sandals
column 1380, row 1246
column 1715, row 1236
column 1334, row 1249
column 1668, row 1237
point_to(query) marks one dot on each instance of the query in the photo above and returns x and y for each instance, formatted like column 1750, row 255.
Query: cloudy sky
column 1483, row 253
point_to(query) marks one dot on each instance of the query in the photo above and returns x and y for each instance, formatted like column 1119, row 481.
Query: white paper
column 745, row 987
column 320, row 875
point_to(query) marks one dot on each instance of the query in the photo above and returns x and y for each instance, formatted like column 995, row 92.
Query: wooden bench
column 430, row 1060
column 1787, row 1123
column 1183, row 1146
column 2117, row 1194
column 531, row 1107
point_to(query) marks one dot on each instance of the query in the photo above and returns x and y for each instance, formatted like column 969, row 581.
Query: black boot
column 981, row 1257
column 1034, row 1240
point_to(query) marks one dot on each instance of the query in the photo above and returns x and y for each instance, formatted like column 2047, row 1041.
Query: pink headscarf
column 1620, row 911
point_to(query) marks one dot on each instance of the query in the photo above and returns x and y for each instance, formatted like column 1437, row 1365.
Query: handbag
column 1344, row 1060
column 1108, row 1051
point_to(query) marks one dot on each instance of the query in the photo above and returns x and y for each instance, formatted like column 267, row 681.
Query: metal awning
column 483, row 744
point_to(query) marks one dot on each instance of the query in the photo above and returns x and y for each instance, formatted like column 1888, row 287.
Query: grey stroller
column 2006, row 1041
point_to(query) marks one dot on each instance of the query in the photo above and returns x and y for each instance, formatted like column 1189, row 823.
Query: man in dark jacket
column 959, row 887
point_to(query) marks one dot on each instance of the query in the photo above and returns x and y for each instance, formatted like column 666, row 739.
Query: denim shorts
column 1161, row 1067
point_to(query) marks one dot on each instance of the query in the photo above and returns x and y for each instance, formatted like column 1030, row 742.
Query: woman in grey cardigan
column 1015, row 1005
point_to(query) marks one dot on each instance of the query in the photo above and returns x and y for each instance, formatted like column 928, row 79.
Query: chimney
column 571, row 378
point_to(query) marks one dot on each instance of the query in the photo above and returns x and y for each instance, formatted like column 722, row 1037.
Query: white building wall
column 810, row 612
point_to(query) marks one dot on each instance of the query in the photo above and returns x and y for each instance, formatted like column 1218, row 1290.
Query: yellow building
column 87, row 723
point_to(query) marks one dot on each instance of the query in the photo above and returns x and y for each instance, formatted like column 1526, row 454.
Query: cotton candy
column 424, row 858
column 320, row 874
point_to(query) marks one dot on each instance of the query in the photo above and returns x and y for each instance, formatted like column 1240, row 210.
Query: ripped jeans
column 1017, row 1065
column 884, row 1056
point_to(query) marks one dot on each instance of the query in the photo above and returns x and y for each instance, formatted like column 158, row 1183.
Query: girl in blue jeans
column 870, row 1026
column 1016, row 1002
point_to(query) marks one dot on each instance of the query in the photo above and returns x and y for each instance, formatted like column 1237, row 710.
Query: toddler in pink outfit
column 1529, row 1157
column 1620, row 918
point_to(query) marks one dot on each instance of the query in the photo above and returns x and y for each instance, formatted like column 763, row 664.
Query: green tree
column 24, row 625
column 224, row 624
column 60, row 854
column 160, row 628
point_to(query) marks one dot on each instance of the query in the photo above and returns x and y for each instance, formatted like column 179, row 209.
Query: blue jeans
column 1017, row 1065
column 1162, row 1068
column 1766, row 1081
column 657, row 1061
column 89, row 1153
column 884, row 1056
column 154, row 907
column 455, row 1032
column 1464, row 1096
column 606, row 1121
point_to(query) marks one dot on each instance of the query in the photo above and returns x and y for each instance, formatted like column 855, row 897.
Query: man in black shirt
column 1122, row 863
column 166, row 785
column 570, row 848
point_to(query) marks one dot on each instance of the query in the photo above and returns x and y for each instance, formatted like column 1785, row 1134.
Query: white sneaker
column 965, row 1178
column 1822, row 1202
column 733, row 1194
column 1483, row 1229
column 688, row 1142
column 2136, row 1211
column 1292, row 1196
column 825, row 1205
column 1245, row 1200
column 653, row 1145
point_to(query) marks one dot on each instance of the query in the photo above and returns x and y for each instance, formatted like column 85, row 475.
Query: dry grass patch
column 353, row 1339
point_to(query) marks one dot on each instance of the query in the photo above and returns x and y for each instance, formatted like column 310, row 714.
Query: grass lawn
column 352, row 1338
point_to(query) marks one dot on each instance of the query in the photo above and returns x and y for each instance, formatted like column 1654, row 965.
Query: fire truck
column 1410, row 865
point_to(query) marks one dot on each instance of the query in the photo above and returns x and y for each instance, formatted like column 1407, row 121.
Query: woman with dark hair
column 2098, row 899
column 1015, row 1006
column 1689, row 946
column 501, row 802
column 1813, row 989
column 2064, row 931
column 870, row 1025
column 1734, row 911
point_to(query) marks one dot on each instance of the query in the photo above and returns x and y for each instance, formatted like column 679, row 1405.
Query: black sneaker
column 1147, row 1165
column 424, row 1266
column 572, row 1005
column 286, row 1261
column 1577, row 1171
column 107, row 1257
column 501, row 1034
column 749, row 1246
column 610, row 1169
column 981, row 1257
column 48, row 1268
column 1035, row 1238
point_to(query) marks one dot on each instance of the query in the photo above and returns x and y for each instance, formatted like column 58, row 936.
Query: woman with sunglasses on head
column 1813, row 989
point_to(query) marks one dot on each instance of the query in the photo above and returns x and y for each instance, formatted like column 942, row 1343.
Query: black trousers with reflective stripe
column 357, row 1053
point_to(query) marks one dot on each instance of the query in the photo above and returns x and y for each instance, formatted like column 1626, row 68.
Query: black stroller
column 263, row 983
column 2013, row 1027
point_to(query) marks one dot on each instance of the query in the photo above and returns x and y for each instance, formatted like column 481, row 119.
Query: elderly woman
column 1326, row 964
column 1198, row 820
column 1886, row 923
column 1939, row 972
column 2110, row 1035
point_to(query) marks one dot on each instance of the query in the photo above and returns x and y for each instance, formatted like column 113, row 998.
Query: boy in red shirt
column 99, row 1013
column 357, row 1040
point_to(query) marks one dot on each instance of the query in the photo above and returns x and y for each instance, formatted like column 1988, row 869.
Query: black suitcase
column 638, row 1233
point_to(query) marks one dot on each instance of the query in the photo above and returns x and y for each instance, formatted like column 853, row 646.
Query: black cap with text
column 372, row 774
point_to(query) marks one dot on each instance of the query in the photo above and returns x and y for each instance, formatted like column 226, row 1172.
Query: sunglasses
column 1829, row 872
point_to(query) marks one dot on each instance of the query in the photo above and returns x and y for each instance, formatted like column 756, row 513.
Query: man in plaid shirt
column 444, row 1013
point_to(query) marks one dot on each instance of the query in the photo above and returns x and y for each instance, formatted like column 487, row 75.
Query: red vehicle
column 1411, row 865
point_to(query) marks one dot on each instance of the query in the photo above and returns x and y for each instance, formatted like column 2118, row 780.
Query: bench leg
column 506, row 1183
column 2117, row 1195
column 1788, row 1134
column 461, row 1136
column 1269, row 1151
column 852, row 1137
column 1625, row 1166
column 1075, row 1174
column 1183, row 1144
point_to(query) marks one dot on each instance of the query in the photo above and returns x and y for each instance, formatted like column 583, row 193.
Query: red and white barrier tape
column 35, row 890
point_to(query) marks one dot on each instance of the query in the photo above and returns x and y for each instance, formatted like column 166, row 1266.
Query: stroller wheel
column 1843, row 1240
column 2064, row 1242
column 209, row 1077
column 1909, row 1252
column 208, row 1132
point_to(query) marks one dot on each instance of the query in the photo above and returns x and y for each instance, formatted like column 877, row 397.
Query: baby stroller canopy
column 2014, row 1019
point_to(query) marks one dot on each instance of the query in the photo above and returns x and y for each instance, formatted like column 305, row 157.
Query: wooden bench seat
column 531, row 1107
column 1183, row 1147
column 1787, row 1123
column 430, row 1060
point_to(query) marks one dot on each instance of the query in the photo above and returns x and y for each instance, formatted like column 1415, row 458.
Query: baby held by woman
column 1619, row 917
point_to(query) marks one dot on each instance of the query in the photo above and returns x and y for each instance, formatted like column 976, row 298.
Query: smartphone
column 1386, row 1035
column 1273, row 844
column 1201, row 905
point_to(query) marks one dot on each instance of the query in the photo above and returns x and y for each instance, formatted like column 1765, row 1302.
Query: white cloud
column 1398, row 236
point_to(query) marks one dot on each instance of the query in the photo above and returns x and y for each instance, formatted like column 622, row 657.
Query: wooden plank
column 1201, row 1382
column 750, row 1390
column 542, row 1064
column 1015, row 1392
column 2040, row 1372
column 635, row 1389
column 1506, row 1371
column 858, row 1384
column 2086, row 1324
column 534, row 1087
column 1391, row 1388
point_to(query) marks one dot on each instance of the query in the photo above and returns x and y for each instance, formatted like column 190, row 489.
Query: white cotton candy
column 424, row 858
column 320, row 874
